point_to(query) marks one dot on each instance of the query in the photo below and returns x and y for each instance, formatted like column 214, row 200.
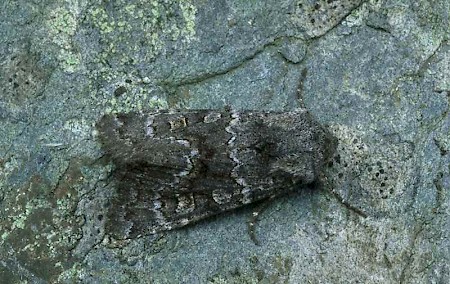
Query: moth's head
column 299, row 153
column 298, row 168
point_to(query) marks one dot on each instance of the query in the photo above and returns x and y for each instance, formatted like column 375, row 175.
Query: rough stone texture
column 377, row 72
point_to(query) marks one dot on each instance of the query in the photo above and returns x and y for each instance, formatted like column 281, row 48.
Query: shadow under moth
column 173, row 168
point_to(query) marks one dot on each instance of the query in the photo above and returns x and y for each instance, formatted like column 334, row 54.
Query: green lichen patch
column 8, row 166
column 135, row 31
column 62, row 25
column 137, row 102
column 29, row 228
column 127, row 93
column 41, row 225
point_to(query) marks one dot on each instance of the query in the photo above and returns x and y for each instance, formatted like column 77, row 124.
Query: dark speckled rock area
column 375, row 72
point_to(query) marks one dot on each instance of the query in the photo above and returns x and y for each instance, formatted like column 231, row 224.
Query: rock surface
column 376, row 72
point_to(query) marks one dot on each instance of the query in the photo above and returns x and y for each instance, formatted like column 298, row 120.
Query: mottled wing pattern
column 173, row 168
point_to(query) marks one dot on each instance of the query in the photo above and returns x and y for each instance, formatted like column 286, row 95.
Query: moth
column 173, row 168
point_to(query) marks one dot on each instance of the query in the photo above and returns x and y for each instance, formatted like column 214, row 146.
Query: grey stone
column 375, row 72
